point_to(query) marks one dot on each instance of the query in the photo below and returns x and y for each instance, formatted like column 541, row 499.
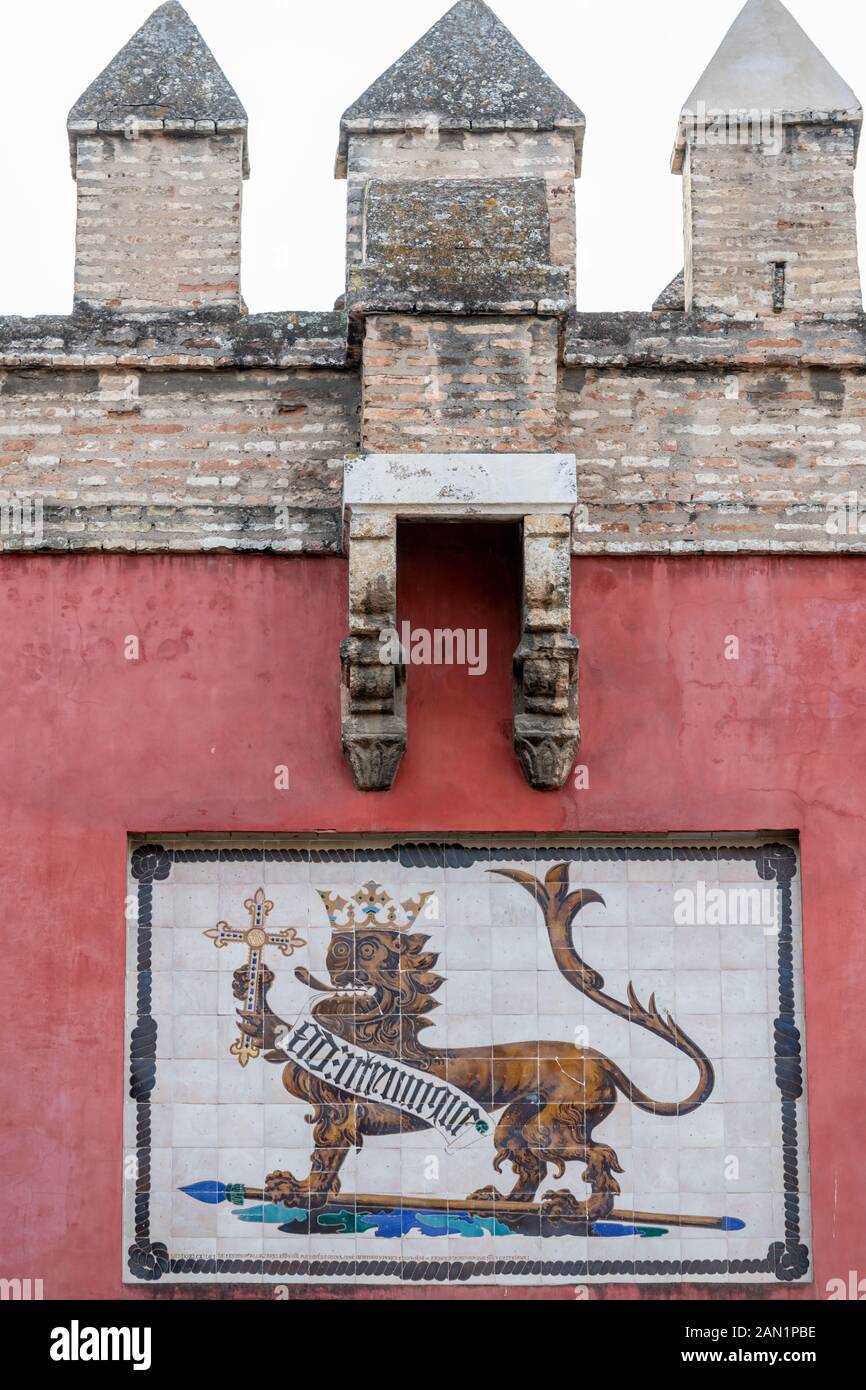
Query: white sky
column 296, row 65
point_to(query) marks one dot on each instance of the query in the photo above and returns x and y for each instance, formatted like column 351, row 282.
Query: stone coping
column 462, row 485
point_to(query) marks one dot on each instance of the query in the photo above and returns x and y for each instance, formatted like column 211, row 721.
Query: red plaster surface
column 239, row 672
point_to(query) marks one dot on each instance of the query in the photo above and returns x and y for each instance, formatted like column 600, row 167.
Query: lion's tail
column 560, row 905
column 667, row 1029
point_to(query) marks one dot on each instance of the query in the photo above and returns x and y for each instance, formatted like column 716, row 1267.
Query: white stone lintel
column 462, row 485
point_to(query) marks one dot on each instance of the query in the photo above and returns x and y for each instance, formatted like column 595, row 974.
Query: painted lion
column 549, row 1096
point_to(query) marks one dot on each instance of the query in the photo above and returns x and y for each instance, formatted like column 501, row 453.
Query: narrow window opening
column 779, row 269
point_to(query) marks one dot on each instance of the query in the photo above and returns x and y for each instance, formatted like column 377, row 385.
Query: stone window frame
column 537, row 490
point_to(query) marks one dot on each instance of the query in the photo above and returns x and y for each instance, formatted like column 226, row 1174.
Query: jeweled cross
column 256, row 938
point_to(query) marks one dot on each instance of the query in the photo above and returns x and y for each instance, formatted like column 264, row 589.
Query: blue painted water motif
column 616, row 1228
column 387, row 1225
column 272, row 1214
column 403, row 1221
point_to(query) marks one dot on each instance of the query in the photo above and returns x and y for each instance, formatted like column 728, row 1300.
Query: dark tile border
column 150, row 1260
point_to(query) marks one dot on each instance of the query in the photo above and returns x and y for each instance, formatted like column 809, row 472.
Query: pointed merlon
column 165, row 77
column 767, row 63
column 467, row 71
column 673, row 297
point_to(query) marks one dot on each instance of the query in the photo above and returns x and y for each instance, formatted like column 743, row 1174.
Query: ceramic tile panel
column 482, row 1061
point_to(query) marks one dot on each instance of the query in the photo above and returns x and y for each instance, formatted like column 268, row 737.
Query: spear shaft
column 488, row 1206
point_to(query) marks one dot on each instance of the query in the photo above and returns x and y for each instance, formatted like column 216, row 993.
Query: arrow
column 216, row 1192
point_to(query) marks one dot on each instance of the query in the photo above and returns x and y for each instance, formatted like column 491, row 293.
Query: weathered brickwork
column 457, row 246
column 160, row 415
column 681, row 456
column 179, row 460
column 468, row 154
column 205, row 340
column 715, row 460
column 755, row 214
column 159, row 221
column 462, row 385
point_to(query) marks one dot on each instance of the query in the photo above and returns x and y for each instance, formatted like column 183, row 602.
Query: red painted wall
column 239, row 672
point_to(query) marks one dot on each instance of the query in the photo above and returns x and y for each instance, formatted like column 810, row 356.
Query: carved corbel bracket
column 374, row 683
column 546, row 725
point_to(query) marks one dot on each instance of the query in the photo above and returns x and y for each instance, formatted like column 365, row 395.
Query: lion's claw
column 562, row 1205
column 486, row 1194
column 285, row 1188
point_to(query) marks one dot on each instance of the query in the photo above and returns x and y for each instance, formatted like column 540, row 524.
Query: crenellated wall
column 696, row 443
column 160, row 415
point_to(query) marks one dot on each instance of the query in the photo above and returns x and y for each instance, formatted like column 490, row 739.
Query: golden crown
column 372, row 904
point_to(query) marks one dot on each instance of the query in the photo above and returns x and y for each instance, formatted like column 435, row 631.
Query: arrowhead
column 210, row 1192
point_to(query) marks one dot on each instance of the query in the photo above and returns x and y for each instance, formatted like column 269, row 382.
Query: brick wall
column 715, row 460
column 181, row 460
column 455, row 384
column 668, row 460
column 747, row 209
column 159, row 221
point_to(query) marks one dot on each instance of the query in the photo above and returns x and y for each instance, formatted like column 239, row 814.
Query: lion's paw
column 562, row 1205
column 285, row 1188
column 486, row 1194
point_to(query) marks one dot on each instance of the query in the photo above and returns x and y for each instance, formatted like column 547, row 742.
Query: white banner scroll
column 451, row 1112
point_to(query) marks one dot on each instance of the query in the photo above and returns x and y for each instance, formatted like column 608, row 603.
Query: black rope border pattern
column 150, row 1260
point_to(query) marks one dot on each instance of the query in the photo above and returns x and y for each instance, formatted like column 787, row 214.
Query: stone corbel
column 538, row 490
column 546, row 727
column 373, row 688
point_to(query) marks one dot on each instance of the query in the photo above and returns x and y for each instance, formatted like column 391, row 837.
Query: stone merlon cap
column 166, row 78
column 766, row 63
column 468, row 71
